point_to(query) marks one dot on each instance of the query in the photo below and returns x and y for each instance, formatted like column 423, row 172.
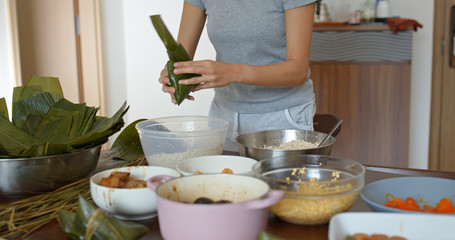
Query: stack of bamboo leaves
column 44, row 123
column 20, row 218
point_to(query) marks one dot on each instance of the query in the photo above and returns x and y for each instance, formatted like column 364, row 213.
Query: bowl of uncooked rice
column 289, row 142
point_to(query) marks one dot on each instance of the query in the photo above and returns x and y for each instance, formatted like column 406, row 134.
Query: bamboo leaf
column 38, row 104
column 176, row 53
column 3, row 109
column 92, row 223
column 36, row 85
column 101, row 129
column 127, row 145
column 56, row 126
column 13, row 139
column 181, row 91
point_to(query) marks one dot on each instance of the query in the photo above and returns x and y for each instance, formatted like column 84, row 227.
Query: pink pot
column 243, row 219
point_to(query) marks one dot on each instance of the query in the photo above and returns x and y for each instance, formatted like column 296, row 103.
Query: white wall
column 6, row 66
column 143, row 56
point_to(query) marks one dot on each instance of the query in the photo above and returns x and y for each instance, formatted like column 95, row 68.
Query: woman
column 261, row 73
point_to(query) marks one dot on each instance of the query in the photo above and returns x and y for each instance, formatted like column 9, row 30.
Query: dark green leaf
column 66, row 219
column 56, row 126
column 181, row 91
column 13, row 139
column 176, row 53
column 3, row 109
column 38, row 104
column 92, row 223
column 127, row 145
column 32, row 123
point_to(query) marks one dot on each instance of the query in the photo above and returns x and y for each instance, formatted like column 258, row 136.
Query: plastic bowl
column 425, row 190
column 169, row 140
column 316, row 187
column 244, row 218
column 128, row 203
column 252, row 144
column 216, row 164
column 21, row 177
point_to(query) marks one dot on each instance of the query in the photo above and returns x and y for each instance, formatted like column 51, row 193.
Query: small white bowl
column 215, row 164
column 128, row 203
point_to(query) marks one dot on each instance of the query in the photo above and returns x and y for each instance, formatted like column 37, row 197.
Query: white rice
column 292, row 145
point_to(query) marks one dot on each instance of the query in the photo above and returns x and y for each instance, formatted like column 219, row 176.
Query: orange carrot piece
column 444, row 205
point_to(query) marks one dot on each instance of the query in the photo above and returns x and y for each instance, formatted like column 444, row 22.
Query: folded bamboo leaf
column 66, row 219
column 3, row 109
column 92, row 223
column 38, row 104
column 181, row 91
column 127, row 145
column 176, row 53
column 14, row 140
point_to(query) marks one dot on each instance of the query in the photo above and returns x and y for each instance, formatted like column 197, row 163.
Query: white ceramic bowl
column 216, row 164
column 128, row 203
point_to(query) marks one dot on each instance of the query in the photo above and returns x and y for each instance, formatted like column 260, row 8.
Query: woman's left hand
column 213, row 74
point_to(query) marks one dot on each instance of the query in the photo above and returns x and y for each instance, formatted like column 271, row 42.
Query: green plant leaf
column 14, row 140
column 89, row 222
column 127, row 145
column 176, row 53
column 3, row 109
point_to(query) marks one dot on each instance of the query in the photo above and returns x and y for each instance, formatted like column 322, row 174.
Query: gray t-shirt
column 252, row 32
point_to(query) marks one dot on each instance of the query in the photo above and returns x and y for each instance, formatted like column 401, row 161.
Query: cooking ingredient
column 292, row 145
column 176, row 53
column 374, row 236
column 89, row 222
column 227, row 170
column 172, row 159
column 122, row 180
column 204, row 200
column 443, row 206
column 44, row 123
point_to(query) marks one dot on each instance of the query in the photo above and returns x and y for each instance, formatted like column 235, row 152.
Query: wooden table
column 53, row 231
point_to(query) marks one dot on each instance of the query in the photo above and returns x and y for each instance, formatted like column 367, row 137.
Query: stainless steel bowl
column 20, row 177
column 252, row 144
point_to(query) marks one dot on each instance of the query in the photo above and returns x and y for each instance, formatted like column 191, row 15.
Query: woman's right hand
column 166, row 87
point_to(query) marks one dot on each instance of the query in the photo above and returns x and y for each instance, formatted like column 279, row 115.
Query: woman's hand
column 164, row 80
column 213, row 74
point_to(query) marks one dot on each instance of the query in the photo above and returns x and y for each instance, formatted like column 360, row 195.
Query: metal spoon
column 331, row 132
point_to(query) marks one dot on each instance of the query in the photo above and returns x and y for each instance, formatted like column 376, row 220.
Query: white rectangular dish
column 411, row 226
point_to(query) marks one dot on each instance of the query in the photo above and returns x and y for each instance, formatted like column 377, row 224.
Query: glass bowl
column 169, row 140
column 316, row 186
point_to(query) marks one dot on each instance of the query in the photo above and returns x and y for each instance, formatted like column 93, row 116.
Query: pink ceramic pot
column 243, row 219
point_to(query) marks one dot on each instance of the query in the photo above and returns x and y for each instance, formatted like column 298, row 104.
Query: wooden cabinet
column 371, row 95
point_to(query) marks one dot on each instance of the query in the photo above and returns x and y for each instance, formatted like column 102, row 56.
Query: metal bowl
column 20, row 177
column 252, row 144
